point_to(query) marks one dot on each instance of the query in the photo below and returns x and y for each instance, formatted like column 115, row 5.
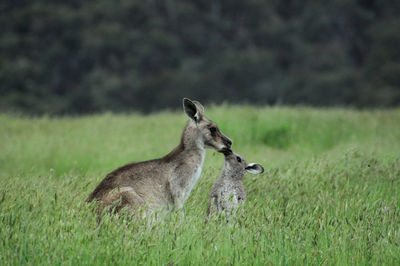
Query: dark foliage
column 87, row 56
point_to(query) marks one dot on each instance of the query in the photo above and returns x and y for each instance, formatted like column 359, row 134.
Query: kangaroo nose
column 229, row 142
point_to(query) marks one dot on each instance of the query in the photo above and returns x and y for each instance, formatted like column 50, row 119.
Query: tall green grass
column 329, row 195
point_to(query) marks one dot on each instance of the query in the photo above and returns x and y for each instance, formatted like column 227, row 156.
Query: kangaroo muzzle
column 227, row 142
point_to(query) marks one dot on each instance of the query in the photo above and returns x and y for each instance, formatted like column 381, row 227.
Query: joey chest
column 230, row 194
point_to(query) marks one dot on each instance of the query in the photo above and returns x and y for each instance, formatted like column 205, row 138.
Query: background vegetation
column 74, row 56
column 329, row 194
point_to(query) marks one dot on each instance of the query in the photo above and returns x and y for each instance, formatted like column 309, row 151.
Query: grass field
column 330, row 193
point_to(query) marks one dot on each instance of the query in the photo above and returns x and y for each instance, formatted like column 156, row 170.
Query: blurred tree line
column 87, row 56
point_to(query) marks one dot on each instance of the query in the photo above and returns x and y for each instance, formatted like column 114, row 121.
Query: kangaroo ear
column 200, row 107
column 254, row 168
column 193, row 109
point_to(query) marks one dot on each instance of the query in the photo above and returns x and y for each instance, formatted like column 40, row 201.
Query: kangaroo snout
column 227, row 142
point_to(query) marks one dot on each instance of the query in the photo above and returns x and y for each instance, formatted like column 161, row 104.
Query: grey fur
column 228, row 192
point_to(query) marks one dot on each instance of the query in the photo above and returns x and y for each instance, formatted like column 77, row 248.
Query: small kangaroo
column 228, row 192
column 165, row 182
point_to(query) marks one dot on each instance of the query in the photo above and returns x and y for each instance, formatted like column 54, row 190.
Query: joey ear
column 192, row 109
column 254, row 168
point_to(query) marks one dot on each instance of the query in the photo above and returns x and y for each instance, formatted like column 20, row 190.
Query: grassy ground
column 329, row 195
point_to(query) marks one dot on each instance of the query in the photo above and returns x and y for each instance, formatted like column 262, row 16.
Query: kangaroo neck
column 191, row 139
column 190, row 146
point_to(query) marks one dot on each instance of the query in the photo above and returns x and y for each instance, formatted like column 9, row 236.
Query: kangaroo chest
column 194, row 175
column 192, row 180
column 188, row 174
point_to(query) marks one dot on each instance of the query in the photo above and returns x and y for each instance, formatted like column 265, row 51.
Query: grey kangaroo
column 228, row 192
column 164, row 183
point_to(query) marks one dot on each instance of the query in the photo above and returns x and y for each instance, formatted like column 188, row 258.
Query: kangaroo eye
column 213, row 129
column 238, row 159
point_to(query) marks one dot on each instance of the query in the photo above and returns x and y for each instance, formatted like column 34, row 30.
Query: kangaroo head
column 237, row 166
column 205, row 130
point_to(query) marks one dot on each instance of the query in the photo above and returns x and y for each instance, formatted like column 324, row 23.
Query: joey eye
column 213, row 130
column 238, row 159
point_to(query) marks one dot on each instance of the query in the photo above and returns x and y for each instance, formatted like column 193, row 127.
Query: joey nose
column 227, row 151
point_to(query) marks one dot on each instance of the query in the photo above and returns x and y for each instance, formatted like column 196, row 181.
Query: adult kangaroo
column 165, row 182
